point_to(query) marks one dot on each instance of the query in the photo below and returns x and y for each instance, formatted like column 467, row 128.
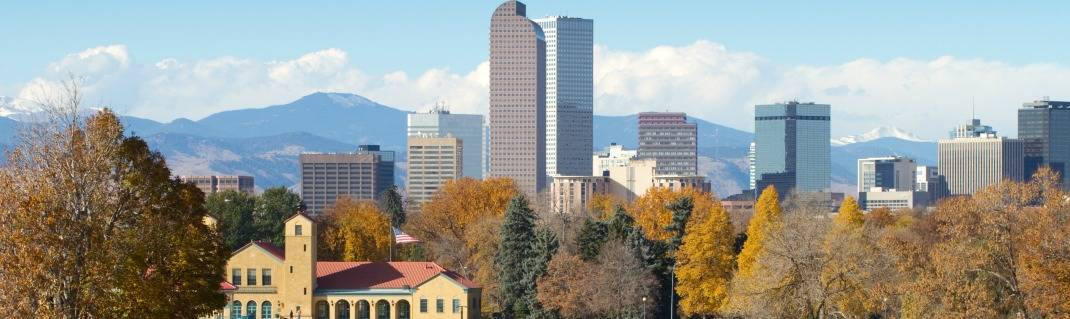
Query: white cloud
column 704, row 78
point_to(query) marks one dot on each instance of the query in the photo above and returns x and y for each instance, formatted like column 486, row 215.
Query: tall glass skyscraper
column 569, row 94
column 1044, row 128
column 466, row 127
column 791, row 147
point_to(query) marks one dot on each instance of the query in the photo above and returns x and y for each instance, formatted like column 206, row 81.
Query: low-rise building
column 879, row 198
column 217, row 183
column 613, row 155
column 267, row 281
column 573, row 194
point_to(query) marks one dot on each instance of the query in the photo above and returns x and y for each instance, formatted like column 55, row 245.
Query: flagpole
column 393, row 242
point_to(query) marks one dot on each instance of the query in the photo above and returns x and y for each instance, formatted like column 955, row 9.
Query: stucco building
column 267, row 281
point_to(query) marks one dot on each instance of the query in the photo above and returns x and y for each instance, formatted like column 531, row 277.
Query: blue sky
column 382, row 37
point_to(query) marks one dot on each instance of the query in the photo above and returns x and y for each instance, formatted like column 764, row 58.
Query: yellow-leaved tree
column 354, row 230
column 652, row 214
column 850, row 214
column 704, row 264
column 766, row 220
column 853, row 263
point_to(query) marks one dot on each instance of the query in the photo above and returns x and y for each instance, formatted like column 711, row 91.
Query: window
column 291, row 269
column 297, row 230
column 250, row 309
column 423, row 305
column 265, row 310
column 251, row 276
column 235, row 276
column 235, row 310
column 456, row 305
column 440, row 305
column 265, row 275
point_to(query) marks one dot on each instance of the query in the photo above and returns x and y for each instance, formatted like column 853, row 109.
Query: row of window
column 440, row 305
column 250, row 278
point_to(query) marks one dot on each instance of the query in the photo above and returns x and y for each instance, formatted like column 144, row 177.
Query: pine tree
column 766, row 220
column 592, row 236
column 517, row 235
column 390, row 204
column 681, row 212
column 621, row 224
column 543, row 249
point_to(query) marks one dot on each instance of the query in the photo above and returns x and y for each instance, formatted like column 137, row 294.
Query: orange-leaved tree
column 652, row 214
column 704, row 264
column 353, row 230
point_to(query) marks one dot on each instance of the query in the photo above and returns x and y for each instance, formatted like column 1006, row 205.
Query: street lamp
column 642, row 307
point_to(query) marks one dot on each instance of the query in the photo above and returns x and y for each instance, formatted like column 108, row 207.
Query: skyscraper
column 466, row 127
column 974, row 157
column 517, row 98
column 569, row 94
column 791, row 147
column 1044, row 127
column 895, row 173
column 432, row 161
column 325, row 177
column 385, row 176
column 671, row 141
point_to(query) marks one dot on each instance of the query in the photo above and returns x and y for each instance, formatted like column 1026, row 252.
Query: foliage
column 850, row 214
column 766, row 221
column 273, row 207
column 391, row 205
column 515, row 248
column 704, row 265
column 592, row 236
column 652, row 214
column 602, row 206
column 234, row 210
column 615, row 285
column 353, row 230
column 96, row 227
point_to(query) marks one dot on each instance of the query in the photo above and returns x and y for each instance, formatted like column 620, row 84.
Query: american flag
column 401, row 237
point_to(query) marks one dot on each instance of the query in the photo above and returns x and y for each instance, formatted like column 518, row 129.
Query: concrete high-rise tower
column 569, row 94
column 669, row 139
column 466, row 127
column 518, row 98
column 974, row 157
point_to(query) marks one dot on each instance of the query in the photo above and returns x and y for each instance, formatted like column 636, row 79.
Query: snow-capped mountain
column 880, row 132
column 15, row 107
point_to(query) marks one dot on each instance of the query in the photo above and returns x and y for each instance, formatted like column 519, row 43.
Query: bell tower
column 299, row 268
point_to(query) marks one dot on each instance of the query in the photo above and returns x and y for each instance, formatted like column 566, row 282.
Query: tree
column 602, row 206
column 273, row 207
column 352, row 230
column 766, row 221
column 850, row 214
column 615, row 285
column 234, row 210
column 592, row 236
column 391, row 205
column 855, row 268
column 515, row 248
column 543, row 249
column 653, row 216
column 96, row 227
column 704, row 265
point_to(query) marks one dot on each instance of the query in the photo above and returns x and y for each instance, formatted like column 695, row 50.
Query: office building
column 326, row 177
column 569, row 94
column 929, row 181
column 975, row 157
column 217, row 183
column 886, row 173
column 633, row 180
column 267, row 281
column 468, row 128
column 613, row 155
column 385, row 172
column 791, row 147
column 1044, row 128
column 670, row 140
column 750, row 167
column 432, row 161
column 573, row 194
column 892, row 199
column 517, row 98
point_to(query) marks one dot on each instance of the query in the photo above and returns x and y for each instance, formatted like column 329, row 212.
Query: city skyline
column 882, row 84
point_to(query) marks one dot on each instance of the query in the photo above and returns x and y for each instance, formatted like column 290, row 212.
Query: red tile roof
column 271, row 248
column 226, row 286
column 381, row 275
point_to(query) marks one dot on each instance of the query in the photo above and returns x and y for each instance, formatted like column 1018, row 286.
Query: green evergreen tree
column 515, row 248
column 620, row 224
column 273, row 207
column 681, row 212
column 391, row 205
column 543, row 249
column 591, row 238
column 234, row 210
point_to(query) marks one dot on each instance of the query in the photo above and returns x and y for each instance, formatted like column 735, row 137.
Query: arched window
column 341, row 309
column 402, row 309
column 321, row 310
column 265, row 310
column 364, row 310
column 382, row 309
column 235, row 310
column 250, row 309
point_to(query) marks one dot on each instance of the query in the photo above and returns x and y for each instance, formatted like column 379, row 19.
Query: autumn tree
column 652, row 214
column 94, row 225
column 855, row 268
column 234, row 210
column 766, row 221
column 602, row 206
column 704, row 265
column 352, row 230
column 273, row 207
column 615, row 285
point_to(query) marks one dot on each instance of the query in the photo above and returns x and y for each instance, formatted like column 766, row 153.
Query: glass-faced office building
column 1044, row 128
column 791, row 147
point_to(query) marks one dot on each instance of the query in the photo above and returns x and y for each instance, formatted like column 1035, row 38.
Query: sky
column 916, row 65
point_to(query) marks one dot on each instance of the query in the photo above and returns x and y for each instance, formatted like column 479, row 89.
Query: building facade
column 791, row 147
column 573, row 194
column 217, row 183
column 894, row 173
column 325, row 177
column 517, row 98
column 267, row 281
column 633, row 180
column 892, row 199
column 1044, row 128
column 385, row 172
column 569, row 94
column 613, row 155
column 466, row 127
column 432, row 161
column 669, row 139
column 928, row 180
column 974, row 157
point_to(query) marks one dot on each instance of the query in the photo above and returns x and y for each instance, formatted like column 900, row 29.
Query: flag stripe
column 401, row 237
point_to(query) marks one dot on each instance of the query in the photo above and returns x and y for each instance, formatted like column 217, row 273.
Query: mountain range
column 265, row 142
